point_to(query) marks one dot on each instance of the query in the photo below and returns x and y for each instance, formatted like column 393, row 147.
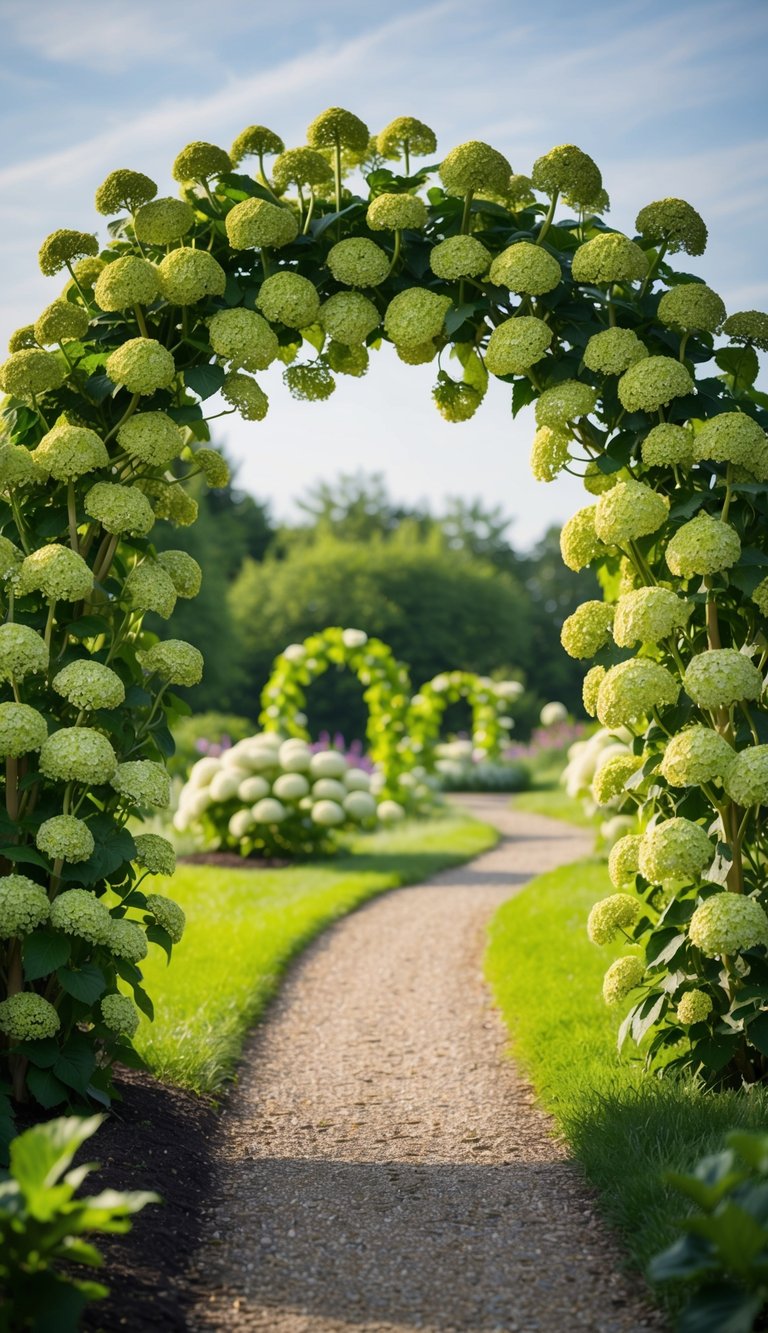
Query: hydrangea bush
column 269, row 256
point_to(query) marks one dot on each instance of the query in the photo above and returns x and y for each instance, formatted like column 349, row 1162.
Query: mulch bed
column 233, row 861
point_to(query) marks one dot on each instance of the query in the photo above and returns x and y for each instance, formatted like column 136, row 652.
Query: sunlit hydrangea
column 746, row 779
column 609, row 257
column 119, row 508
column 695, row 756
column 301, row 166
column 674, row 849
column 30, row 373
column 587, row 630
column 152, row 437
column 255, row 141
column 18, row 469
column 418, row 355
column 185, row 572
column 149, row 587
column 78, row 754
column 242, row 392
column 163, row 221
column 126, row 282
column 719, row 677
column 570, row 171
column 65, row 838
column 67, row 452
column 624, row 860
column 748, row 326
column 728, row 923
column 24, row 906
column 668, row 446
column 254, row 223
column 22, row 652
column 459, row 257
column 631, row 690
column 406, row 133
column 564, row 402
column 309, row 382
column 213, row 466
column 124, row 189
column 760, row 596
column 289, row 299
column 167, row 914
column 592, row 682
column 89, row 684
column 455, row 402
column 120, row 1014
column 621, row 978
column 347, row 360
column 612, row 916
column 611, row 777
column 337, row 126
column 349, row 317
column 732, row 437
column 143, row 365
column 58, row 572
column 629, row 510
column 61, row 321
column 691, row 306
column 155, row 854
column 244, row 338
column 126, row 939
column 200, row 161
column 474, row 166
column 526, row 268
column 579, row 542
column 28, row 1017
column 415, row 315
column 674, row 224
column 693, row 1007
column 517, row 344
column 22, row 338
column 549, row 453
column 186, row 276
column 22, row 730
column 62, row 247
column 396, row 212
column 10, row 557
column 79, row 912
column 85, row 273
column 648, row 615
column 142, row 782
column 358, row 262
column 652, row 383
column 703, row 545
column 613, row 351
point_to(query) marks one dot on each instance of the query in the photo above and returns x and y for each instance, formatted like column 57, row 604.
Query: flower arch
column 485, row 272
column 489, row 701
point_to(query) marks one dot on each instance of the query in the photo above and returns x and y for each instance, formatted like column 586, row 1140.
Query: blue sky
column 668, row 97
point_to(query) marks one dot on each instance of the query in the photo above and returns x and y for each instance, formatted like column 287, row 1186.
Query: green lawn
column 625, row 1128
column 244, row 927
column 553, row 801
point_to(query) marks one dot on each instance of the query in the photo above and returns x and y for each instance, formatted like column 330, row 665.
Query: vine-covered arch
column 469, row 265
column 489, row 702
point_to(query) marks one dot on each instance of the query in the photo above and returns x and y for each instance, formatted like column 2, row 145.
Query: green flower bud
column 62, row 247
column 747, row 326
column 668, row 446
column 126, row 282
column 22, row 652
column 358, row 262
column 565, row 402
column 526, row 268
column 124, row 189
column 629, row 510
column 141, row 782
column 587, row 630
column 474, row 166
column 255, row 141
column 88, row 684
column 68, row 452
column 22, row 730
column 728, row 923
column 155, row 854
column 65, row 838
column 336, row 126
column 289, row 299
column 174, row 661
column 59, row 322
column 674, row 224
column 652, row 383
column 167, row 914
column 567, row 170
column 415, row 315
column 186, row 276
column 456, row 402
column 349, row 317
column 185, row 572
column 28, row 1017
column 59, row 573
column 300, row 166
column 255, row 222
column 119, row 508
column 703, row 545
column 396, row 212
column 309, row 383
column 517, row 344
column 152, row 437
column 142, row 365
column 163, row 221
column 405, row 134
column 242, row 392
column 120, row 1014
column 78, row 754
column 619, row 913
column 720, row 677
column 631, row 691
column 609, row 257
column 200, row 161
column 24, row 906
column 550, row 453
column 695, row 756
column 149, row 587
column 30, row 373
column 621, row 978
column 613, row 351
column 459, row 257
column 691, row 306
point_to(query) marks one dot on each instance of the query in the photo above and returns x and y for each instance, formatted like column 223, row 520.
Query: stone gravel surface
column 382, row 1165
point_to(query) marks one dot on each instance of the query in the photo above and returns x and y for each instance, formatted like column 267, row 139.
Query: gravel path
column 382, row 1165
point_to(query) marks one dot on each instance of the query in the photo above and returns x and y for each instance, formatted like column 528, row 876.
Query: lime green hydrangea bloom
column 587, row 630
column 748, row 326
column 89, row 684
column 692, row 306
column 719, row 677
column 525, row 268
column 172, row 503
column 30, row 373
column 746, row 779
column 415, row 315
column 290, row 299
column 418, row 355
column 59, row 322
column 648, row 615
column 631, row 690
column 349, row 317
column 68, row 452
column 255, row 141
column 624, row 860
column 86, row 272
column 187, row 276
column 579, row 542
column 244, row 338
column 163, row 221
column 78, row 754
column 695, row 756
column 242, row 391
column 22, row 339
column 126, row 282
column 167, row 914
column 24, row 906
column 213, row 466
column 309, row 383
column 674, row 224
column 621, row 978
column 174, row 661
column 668, row 446
column 62, row 247
column 358, row 262
column 254, row 223
column 65, row 838
column 124, row 189
column 728, row 923
column 611, row 778
column 200, row 161
column 619, row 913
column 674, row 849
column 142, row 365
column 613, row 351
column 652, row 383
column 517, row 344
column 396, row 212
column 406, row 135
column 609, row 257
column 58, row 572
column 589, row 690
column 80, row 913
column 347, row 360
column 732, row 437
column 459, row 257
column 300, row 166
column 142, row 782
column 152, row 437
column 120, row 1014
column 149, row 587
column 18, row 469
column 337, row 126
column 760, row 596
column 474, row 166
column 126, row 939
column 570, row 171
column 565, row 402
column 703, row 545
column 119, row 508
column 455, row 402
column 549, row 453
column 10, row 556
column 155, row 854
column 519, row 191
column 629, row 510
column 22, row 652
column 28, row 1017
column 694, row 1006
column 185, row 573
column 22, row 730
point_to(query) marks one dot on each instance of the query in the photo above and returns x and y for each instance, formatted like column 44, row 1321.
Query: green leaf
column 143, row 1002
column 46, row 1088
column 757, row 1031
column 76, row 1063
column 88, row 627
column 23, row 855
column 721, row 1307
column 43, row 952
column 205, row 381
column 458, row 315
column 86, row 983
column 740, row 364
column 523, row 393
column 156, row 935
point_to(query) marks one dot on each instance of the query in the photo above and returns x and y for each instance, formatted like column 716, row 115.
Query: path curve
column 382, row 1165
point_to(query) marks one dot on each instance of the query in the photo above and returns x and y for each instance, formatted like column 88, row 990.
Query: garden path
column 382, row 1164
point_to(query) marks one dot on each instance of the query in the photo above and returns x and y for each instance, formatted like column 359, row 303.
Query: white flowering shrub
column 461, row 767
column 595, row 773
column 269, row 795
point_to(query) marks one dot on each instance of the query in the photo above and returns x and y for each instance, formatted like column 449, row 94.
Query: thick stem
column 72, row 516
column 547, row 223
column 140, row 320
column 465, row 217
column 652, row 267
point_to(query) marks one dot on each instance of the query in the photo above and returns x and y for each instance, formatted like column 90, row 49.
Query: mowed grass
column 547, row 796
column 245, row 926
column 625, row 1127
